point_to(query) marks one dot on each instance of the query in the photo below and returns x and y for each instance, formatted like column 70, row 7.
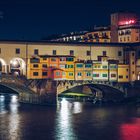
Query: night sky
column 36, row 19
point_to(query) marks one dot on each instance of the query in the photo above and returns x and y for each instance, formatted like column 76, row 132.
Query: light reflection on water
column 131, row 130
column 69, row 121
column 14, row 119
column 64, row 129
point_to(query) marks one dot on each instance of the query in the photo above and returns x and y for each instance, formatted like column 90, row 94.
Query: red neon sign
column 128, row 22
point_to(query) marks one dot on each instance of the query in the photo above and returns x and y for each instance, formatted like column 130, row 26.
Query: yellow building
column 34, row 70
column 123, row 73
column 128, row 34
column 69, row 69
column 100, row 69
column 113, row 70
column 88, row 70
column 79, row 70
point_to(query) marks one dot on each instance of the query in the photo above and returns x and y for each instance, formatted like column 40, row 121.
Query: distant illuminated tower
column 121, row 25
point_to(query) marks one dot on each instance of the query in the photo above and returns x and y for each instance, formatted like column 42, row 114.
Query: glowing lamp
column 126, row 22
column 132, row 21
column 15, row 63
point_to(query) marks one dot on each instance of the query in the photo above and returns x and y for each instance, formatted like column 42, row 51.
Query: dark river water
column 68, row 121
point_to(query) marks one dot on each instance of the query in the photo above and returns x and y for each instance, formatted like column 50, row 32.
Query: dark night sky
column 36, row 19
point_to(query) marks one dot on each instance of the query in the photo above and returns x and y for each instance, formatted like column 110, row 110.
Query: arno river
column 68, row 121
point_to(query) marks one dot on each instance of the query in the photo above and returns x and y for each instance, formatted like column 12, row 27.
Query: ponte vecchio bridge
column 14, row 57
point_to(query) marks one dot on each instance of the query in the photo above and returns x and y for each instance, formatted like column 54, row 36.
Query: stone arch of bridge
column 108, row 92
column 5, row 88
column 18, row 66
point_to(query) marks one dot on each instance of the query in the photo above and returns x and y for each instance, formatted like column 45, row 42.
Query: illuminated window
column 128, row 39
column 34, row 60
column 104, row 67
column 112, row 66
column 69, row 66
column 69, row 59
column 44, row 59
column 88, row 74
column 104, row 75
column 62, row 66
column 79, row 74
column 36, row 52
column 124, row 39
column 62, row 59
column 53, row 59
column 70, row 74
column 79, row 65
column 35, row 73
column 57, row 73
column 113, row 75
column 88, row 65
column 17, row 51
column 63, row 73
column 95, row 75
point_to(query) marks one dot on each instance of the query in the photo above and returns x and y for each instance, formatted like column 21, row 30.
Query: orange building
column 99, row 34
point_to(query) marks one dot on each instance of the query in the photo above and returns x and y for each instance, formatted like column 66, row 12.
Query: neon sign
column 128, row 22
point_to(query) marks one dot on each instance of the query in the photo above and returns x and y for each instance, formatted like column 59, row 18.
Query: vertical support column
column 26, row 59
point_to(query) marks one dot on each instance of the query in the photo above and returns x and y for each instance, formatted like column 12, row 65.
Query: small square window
column 71, row 52
column 44, row 73
column 104, row 53
column 120, row 76
column 88, row 53
column 119, row 53
column 17, row 51
column 35, row 73
column 44, row 65
column 54, row 52
column 35, row 65
column 36, row 52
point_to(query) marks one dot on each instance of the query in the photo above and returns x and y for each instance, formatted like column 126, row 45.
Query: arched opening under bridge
column 18, row 66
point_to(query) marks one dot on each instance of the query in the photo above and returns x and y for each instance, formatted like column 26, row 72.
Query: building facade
column 71, row 61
